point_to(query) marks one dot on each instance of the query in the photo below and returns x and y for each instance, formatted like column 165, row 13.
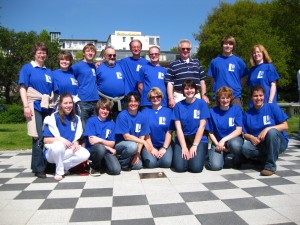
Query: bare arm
column 203, row 91
column 280, row 127
column 23, row 93
column 96, row 140
column 180, row 136
column 272, row 92
column 140, row 87
column 243, row 81
column 170, row 89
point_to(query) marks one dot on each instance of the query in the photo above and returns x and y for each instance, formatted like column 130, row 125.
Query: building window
column 124, row 39
column 131, row 38
column 157, row 41
column 151, row 41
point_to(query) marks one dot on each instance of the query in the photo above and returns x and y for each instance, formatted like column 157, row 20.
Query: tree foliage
column 251, row 23
column 15, row 51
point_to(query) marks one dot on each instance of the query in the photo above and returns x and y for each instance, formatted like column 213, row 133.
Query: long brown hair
column 61, row 113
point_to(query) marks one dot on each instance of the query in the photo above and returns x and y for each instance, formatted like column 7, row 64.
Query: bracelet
column 195, row 144
column 26, row 107
column 204, row 94
column 164, row 147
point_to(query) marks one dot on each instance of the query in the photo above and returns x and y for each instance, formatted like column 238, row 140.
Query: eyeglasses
column 111, row 55
column 154, row 54
column 155, row 97
column 186, row 49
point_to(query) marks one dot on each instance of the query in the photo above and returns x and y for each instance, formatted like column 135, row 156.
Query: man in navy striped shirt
column 182, row 69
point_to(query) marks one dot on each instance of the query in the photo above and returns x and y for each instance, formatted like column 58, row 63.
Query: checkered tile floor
column 224, row 197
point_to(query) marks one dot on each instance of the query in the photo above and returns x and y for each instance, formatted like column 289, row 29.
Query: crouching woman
column 62, row 130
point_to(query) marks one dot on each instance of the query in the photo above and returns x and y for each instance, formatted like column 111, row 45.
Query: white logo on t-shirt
column 231, row 121
column 266, row 120
column 94, row 72
column 231, row 67
column 161, row 75
column 162, row 120
column 108, row 131
column 119, row 75
column 73, row 124
column 196, row 114
column 260, row 74
column 138, row 128
column 74, row 81
column 138, row 68
column 48, row 78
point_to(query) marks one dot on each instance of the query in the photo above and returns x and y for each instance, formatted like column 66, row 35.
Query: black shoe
column 40, row 175
column 126, row 169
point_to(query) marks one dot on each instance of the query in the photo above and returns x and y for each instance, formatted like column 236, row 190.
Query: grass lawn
column 14, row 136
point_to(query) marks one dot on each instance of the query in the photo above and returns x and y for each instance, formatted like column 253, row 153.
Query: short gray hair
column 183, row 41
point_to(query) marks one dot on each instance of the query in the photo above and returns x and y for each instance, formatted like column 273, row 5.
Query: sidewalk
column 224, row 197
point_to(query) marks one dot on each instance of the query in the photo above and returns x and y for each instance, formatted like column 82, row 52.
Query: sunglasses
column 155, row 97
column 112, row 55
column 154, row 54
column 187, row 49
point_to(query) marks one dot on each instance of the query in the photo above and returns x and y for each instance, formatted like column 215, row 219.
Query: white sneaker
column 94, row 173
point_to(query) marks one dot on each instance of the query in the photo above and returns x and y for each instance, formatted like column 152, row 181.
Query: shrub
column 12, row 114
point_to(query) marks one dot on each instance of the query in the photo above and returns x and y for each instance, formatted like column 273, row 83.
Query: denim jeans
column 100, row 155
column 150, row 161
column 216, row 158
column 37, row 160
column 268, row 150
column 194, row 165
column 87, row 109
column 126, row 150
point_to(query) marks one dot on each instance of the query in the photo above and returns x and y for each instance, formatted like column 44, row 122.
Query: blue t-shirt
column 270, row 114
column 224, row 122
column 159, row 123
column 131, row 68
column 66, row 131
column 64, row 82
column 228, row 71
column 85, row 73
column 38, row 78
column 263, row 74
column 110, row 80
column 128, row 124
column 102, row 129
column 190, row 115
column 152, row 76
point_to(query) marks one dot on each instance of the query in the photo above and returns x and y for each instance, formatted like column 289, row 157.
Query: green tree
column 15, row 51
column 249, row 22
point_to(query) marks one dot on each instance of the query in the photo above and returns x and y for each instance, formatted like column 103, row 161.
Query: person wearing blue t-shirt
column 228, row 70
column 161, row 128
column 62, row 131
column 132, row 65
column 152, row 75
column 225, row 130
column 110, row 80
column 131, row 128
column 63, row 78
column 263, row 73
column 35, row 82
column 264, row 128
column 85, row 74
column 191, row 143
column 100, row 140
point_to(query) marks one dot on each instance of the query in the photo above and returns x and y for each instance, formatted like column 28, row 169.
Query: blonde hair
column 263, row 50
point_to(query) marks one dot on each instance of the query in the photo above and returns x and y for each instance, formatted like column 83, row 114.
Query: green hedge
column 11, row 114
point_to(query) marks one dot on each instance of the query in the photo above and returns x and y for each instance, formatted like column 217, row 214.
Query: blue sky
column 172, row 20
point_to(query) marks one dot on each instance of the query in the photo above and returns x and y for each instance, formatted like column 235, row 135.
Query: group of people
column 122, row 115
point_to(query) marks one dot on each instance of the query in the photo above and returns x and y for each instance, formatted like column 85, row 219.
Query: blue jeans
column 268, row 150
column 150, row 161
column 126, row 150
column 194, row 165
column 87, row 109
column 216, row 158
column 37, row 160
column 100, row 154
